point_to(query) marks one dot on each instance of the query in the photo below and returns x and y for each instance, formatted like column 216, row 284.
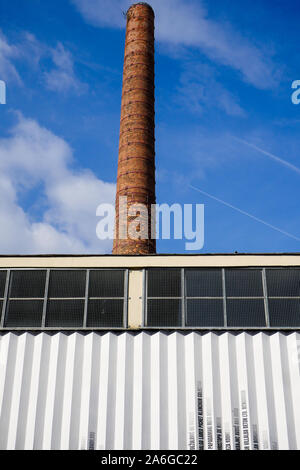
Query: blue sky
column 225, row 122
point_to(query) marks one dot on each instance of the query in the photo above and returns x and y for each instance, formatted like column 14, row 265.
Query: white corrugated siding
column 142, row 391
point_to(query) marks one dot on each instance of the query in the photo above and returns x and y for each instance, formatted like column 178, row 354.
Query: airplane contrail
column 246, row 213
column 270, row 155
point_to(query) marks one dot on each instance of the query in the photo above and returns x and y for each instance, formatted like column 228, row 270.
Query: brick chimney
column 136, row 166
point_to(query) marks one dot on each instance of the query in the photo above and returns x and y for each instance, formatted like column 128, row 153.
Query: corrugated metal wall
column 142, row 391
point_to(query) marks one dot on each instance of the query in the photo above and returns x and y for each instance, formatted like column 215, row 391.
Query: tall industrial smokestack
column 136, row 166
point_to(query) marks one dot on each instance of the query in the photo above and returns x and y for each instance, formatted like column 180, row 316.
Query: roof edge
column 156, row 255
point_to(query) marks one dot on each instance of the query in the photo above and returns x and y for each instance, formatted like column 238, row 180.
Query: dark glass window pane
column 246, row 313
column 105, row 313
column 27, row 313
column 65, row 313
column 67, row 283
column 164, row 283
column 244, row 283
column 107, row 283
column 205, row 313
column 204, row 283
column 25, row 284
column 164, row 313
column 284, row 312
column 2, row 282
column 283, row 282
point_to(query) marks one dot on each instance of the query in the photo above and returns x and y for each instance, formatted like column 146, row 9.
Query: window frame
column 223, row 269
column 46, row 299
column 5, row 299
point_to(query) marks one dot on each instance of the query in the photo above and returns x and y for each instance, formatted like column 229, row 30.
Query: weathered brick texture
column 136, row 166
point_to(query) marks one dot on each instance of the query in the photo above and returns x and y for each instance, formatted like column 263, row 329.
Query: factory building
column 150, row 352
column 138, row 350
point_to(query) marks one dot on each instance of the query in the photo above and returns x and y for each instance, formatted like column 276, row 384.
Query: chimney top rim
column 140, row 3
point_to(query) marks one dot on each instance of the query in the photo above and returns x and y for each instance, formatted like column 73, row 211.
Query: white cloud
column 103, row 12
column 186, row 23
column 31, row 49
column 199, row 88
column 8, row 53
column 62, row 77
column 31, row 158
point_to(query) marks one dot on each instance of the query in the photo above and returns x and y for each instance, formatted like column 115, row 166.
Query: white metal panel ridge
column 149, row 391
